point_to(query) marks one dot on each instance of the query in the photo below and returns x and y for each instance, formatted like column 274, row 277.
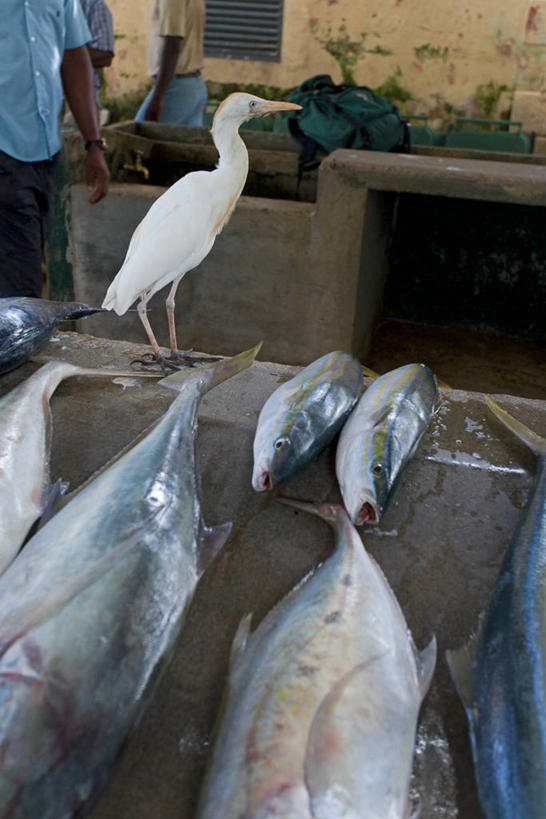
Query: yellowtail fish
column 322, row 699
column 501, row 673
column 90, row 609
column 25, row 432
column 301, row 417
column 26, row 324
column 380, row 436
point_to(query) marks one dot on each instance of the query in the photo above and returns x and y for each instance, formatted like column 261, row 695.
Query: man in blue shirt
column 42, row 55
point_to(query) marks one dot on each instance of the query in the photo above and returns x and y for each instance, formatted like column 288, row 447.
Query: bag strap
column 308, row 149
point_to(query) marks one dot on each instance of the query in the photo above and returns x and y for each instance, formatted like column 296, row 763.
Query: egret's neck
column 232, row 149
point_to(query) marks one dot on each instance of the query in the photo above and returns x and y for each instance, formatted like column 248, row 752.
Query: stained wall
column 441, row 53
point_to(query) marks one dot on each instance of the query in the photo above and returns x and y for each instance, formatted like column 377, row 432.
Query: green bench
column 489, row 137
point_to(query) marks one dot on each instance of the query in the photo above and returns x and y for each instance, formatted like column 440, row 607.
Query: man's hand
column 154, row 109
column 167, row 67
column 97, row 174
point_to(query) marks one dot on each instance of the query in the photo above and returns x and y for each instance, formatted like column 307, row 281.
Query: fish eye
column 279, row 443
column 378, row 469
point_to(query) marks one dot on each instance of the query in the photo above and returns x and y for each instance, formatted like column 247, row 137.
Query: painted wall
column 440, row 52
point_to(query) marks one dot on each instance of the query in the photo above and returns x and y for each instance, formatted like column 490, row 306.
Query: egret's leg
column 141, row 309
column 170, row 316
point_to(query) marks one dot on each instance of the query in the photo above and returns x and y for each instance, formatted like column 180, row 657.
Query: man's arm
column 100, row 58
column 167, row 66
column 77, row 77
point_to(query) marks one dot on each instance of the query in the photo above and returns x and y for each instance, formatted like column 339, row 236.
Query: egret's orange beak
column 272, row 106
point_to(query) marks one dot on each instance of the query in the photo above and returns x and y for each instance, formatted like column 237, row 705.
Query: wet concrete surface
column 464, row 359
column 440, row 544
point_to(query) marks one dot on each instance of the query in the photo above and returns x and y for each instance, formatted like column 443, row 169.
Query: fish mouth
column 262, row 481
column 367, row 514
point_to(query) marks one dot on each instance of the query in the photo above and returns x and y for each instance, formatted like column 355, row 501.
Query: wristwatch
column 100, row 143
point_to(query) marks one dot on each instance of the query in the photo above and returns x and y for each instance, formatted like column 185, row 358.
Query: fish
column 91, row 607
column 500, row 674
column 27, row 324
column 381, row 436
column 302, row 416
column 322, row 699
column 25, row 435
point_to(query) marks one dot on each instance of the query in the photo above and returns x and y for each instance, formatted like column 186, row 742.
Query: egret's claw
column 150, row 360
column 179, row 359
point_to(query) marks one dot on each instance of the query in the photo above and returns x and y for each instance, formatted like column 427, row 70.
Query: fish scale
column 91, row 608
column 334, row 654
column 302, row 416
column 501, row 673
column 380, row 436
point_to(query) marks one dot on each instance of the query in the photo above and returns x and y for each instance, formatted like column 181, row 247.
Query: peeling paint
column 531, row 22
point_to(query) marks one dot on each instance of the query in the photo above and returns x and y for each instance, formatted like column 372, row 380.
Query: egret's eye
column 252, row 104
column 279, row 443
column 378, row 469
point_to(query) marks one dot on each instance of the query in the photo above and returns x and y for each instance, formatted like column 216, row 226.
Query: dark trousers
column 27, row 193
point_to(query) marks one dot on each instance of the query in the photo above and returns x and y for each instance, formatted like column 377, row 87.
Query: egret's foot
column 179, row 359
column 150, row 361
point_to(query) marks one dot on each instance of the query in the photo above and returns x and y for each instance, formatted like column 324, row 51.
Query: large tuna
column 322, row 699
column 91, row 607
column 501, row 674
column 301, row 417
column 380, row 437
column 26, row 324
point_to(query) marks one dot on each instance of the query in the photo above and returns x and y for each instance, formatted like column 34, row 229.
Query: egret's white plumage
column 180, row 228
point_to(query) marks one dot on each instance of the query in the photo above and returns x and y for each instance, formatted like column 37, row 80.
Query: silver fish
column 380, row 437
column 301, row 417
column 25, row 433
column 91, row 607
column 501, row 673
column 322, row 699
column 26, row 324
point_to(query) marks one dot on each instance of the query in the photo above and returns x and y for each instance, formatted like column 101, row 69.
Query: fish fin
column 211, row 540
column 535, row 442
column 325, row 511
column 240, row 641
column 368, row 372
column 339, row 724
column 443, row 385
column 426, row 663
column 461, row 667
column 212, row 374
column 101, row 372
column 53, row 502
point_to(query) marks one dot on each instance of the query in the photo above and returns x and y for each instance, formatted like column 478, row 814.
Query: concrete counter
column 440, row 545
column 309, row 278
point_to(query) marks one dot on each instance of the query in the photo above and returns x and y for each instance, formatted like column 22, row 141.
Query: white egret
column 180, row 228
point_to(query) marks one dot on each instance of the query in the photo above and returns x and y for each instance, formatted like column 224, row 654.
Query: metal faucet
column 138, row 166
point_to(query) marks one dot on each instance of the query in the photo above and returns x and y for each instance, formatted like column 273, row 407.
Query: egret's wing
column 174, row 236
column 169, row 207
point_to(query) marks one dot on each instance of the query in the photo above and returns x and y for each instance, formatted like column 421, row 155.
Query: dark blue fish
column 27, row 324
column 301, row 417
column 501, row 673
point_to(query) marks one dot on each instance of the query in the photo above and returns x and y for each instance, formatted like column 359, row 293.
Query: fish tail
column 328, row 512
column 66, row 369
column 368, row 372
column 535, row 442
column 214, row 374
column 106, row 373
